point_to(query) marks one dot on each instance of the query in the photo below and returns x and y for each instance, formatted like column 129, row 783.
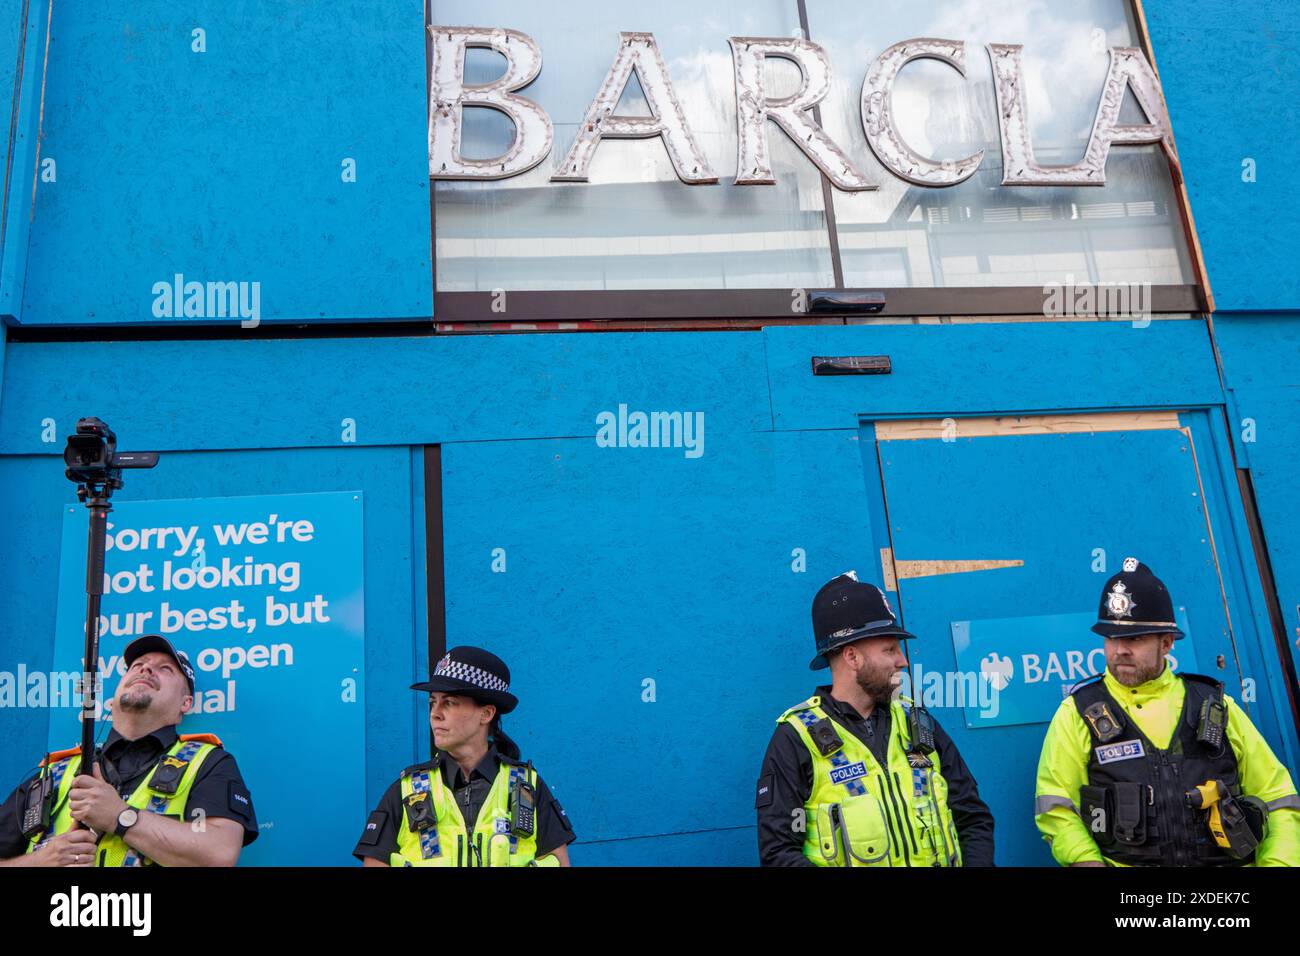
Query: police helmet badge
column 1119, row 603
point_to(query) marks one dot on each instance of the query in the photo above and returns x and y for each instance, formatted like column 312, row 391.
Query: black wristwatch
column 126, row 820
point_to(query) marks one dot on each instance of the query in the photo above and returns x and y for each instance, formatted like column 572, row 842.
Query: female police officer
column 474, row 803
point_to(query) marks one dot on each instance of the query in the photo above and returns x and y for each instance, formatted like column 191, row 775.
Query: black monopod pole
column 95, row 465
column 99, row 509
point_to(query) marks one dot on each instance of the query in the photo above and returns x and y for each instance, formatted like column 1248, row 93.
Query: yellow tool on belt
column 1230, row 819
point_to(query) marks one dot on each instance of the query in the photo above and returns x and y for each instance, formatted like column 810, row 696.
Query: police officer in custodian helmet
column 854, row 777
column 475, row 803
column 1144, row 767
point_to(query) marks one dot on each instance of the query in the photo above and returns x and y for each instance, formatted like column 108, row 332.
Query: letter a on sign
column 449, row 94
column 639, row 52
column 1128, row 70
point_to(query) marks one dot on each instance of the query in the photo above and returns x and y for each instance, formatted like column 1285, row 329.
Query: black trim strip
column 434, row 580
column 828, row 191
column 898, row 787
column 1268, row 584
column 884, row 786
column 645, row 304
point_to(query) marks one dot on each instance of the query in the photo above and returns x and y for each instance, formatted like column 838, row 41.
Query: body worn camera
column 1105, row 726
column 167, row 777
column 419, row 811
column 825, row 736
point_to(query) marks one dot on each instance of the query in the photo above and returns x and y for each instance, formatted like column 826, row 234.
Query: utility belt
column 1122, row 816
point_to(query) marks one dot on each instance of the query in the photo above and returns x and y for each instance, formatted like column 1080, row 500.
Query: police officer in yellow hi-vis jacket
column 854, row 777
column 1144, row 767
column 153, row 797
column 475, row 803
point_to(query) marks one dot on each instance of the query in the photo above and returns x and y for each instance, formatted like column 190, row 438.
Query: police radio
column 36, row 809
column 523, row 805
column 1213, row 720
column 921, row 728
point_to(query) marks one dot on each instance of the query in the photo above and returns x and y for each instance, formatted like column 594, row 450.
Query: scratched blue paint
column 22, row 45
column 632, row 565
column 227, row 165
column 956, row 369
column 1261, row 356
column 398, row 390
column 1228, row 73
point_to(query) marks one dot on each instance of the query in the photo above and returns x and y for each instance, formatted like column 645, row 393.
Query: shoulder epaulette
column 423, row 765
column 811, row 702
column 60, row 755
column 1086, row 681
column 1202, row 679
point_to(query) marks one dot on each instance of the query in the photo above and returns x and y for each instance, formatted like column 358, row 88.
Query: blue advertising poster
column 265, row 595
column 1029, row 664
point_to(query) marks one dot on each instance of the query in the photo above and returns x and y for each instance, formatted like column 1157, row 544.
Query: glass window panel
column 981, row 233
column 634, row 225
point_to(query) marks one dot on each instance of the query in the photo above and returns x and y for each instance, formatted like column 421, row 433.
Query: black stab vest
column 1140, row 789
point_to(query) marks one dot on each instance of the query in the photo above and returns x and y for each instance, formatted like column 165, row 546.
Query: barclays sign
column 450, row 94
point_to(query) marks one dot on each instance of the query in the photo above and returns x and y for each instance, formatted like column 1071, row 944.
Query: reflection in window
column 635, row 226
column 981, row 233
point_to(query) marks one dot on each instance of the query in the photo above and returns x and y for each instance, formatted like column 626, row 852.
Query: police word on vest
column 165, row 789
column 862, row 814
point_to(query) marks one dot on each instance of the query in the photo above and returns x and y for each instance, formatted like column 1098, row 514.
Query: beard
column 879, row 685
column 137, row 700
column 1140, row 673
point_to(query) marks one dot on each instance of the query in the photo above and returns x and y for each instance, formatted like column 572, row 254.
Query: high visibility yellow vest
column 862, row 814
column 446, row 840
column 189, row 749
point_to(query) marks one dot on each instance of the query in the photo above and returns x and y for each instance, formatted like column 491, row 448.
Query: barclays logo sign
column 638, row 53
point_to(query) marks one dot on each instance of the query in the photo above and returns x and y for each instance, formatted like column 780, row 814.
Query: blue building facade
column 652, row 602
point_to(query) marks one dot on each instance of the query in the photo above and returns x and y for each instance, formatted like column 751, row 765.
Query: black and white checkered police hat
column 475, row 673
